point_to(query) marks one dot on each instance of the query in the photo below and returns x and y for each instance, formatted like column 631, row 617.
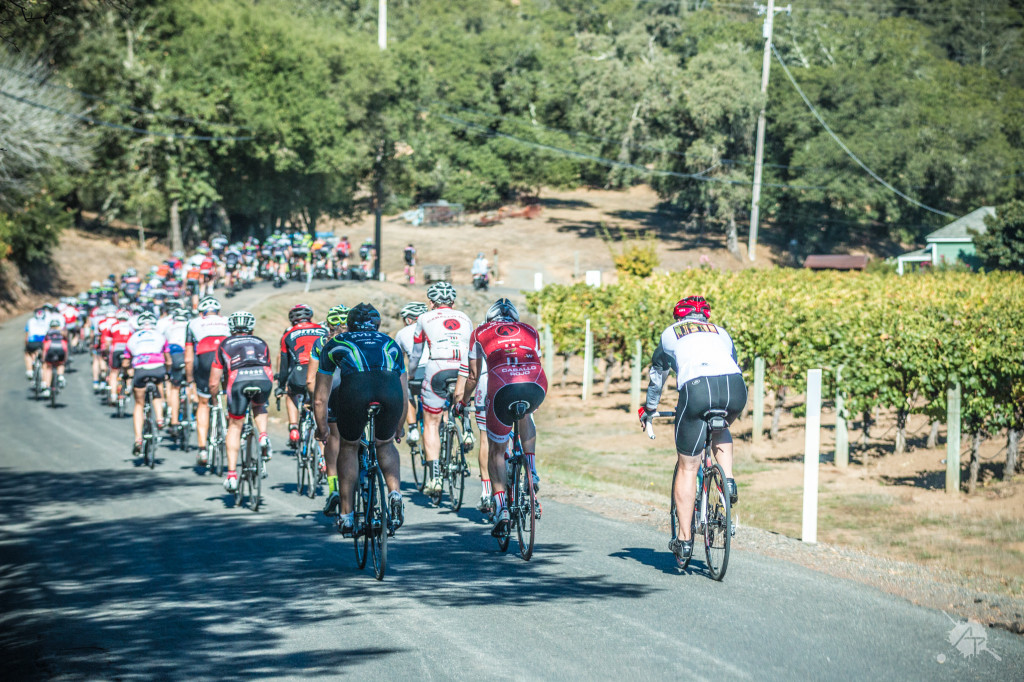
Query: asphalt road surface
column 112, row 571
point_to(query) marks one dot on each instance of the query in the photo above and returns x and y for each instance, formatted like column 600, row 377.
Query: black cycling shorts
column 242, row 379
column 356, row 391
column 201, row 372
column 55, row 356
column 416, row 381
column 33, row 346
column 697, row 396
column 152, row 375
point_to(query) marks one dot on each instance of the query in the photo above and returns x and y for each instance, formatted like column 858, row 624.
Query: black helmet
column 363, row 318
column 502, row 310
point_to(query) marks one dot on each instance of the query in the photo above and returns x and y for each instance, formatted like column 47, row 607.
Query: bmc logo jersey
column 206, row 333
column 446, row 333
column 299, row 340
column 504, row 343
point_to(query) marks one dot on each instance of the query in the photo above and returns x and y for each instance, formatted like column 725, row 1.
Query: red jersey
column 299, row 340
column 504, row 343
column 206, row 267
column 118, row 334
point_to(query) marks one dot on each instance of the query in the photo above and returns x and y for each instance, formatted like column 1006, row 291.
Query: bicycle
column 522, row 498
column 371, row 515
column 216, row 444
column 712, row 510
column 186, row 418
column 37, row 377
column 416, row 452
column 121, row 395
column 150, row 434
column 54, row 385
column 452, row 457
column 251, row 467
column 307, row 457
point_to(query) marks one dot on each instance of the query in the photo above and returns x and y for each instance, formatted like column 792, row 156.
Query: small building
column 948, row 245
column 835, row 262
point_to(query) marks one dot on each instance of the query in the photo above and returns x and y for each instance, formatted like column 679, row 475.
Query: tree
column 1001, row 246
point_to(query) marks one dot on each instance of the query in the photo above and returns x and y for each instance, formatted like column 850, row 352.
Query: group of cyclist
column 166, row 329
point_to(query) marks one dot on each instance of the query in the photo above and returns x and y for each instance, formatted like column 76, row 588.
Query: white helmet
column 209, row 304
column 441, row 293
column 145, row 321
column 241, row 322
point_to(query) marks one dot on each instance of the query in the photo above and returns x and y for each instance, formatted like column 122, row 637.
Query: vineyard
column 900, row 341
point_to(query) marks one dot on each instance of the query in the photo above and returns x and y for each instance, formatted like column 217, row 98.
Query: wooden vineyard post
column 842, row 455
column 634, row 382
column 953, row 436
column 758, row 430
column 549, row 352
column 588, row 361
column 812, row 445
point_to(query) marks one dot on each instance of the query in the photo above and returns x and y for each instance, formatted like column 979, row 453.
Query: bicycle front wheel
column 524, row 507
column 419, row 472
column 359, row 521
column 150, row 442
column 255, row 470
column 186, row 422
column 718, row 528
column 380, row 520
column 312, row 456
column 454, row 466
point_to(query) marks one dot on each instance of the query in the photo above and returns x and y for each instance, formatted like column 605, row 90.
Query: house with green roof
column 949, row 245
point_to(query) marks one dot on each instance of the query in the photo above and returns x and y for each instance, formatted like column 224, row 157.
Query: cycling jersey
column 71, row 317
column 36, row 329
column 55, row 347
column 241, row 351
column 296, row 344
column 367, row 367
column 205, row 333
column 445, row 333
column 513, row 371
column 118, row 334
column 146, row 348
column 354, row 352
column 405, row 338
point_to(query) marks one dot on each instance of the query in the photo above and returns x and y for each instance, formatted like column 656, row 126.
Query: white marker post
column 812, row 443
column 538, row 281
column 588, row 360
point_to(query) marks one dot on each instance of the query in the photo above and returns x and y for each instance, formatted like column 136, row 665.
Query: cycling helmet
column 241, row 322
column 83, row 296
column 209, row 304
column 181, row 315
column 122, row 314
column 441, row 293
column 338, row 315
column 413, row 310
column 363, row 318
column 146, row 320
column 692, row 305
column 503, row 311
column 95, row 284
column 54, row 324
column 130, row 272
column 300, row 313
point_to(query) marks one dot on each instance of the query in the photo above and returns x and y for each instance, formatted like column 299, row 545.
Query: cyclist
column 336, row 320
column 116, row 336
column 296, row 343
column 341, row 253
column 703, row 357
column 100, row 320
column 175, row 331
column 445, row 332
column 149, row 358
column 72, row 319
column 480, row 272
column 202, row 337
column 370, row 368
column 405, row 340
column 35, row 330
column 410, row 263
column 514, row 373
column 55, row 354
column 232, row 262
column 243, row 360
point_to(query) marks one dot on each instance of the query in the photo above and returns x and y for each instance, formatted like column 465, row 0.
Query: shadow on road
column 662, row 561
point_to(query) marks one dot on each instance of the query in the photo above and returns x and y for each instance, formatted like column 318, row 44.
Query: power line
column 132, row 129
column 609, row 162
column 847, row 149
column 139, row 110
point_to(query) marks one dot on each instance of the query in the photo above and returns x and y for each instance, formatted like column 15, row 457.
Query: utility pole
column 382, row 24
column 755, row 204
column 378, row 181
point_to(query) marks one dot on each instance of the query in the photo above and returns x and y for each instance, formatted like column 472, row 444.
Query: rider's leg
column 723, row 451
column 29, row 357
column 685, row 492
column 432, row 435
column 348, row 473
column 47, row 372
column 158, row 403
column 496, row 467
column 387, row 456
column 202, row 421
column 173, row 401
column 233, row 441
column 291, row 402
column 137, row 412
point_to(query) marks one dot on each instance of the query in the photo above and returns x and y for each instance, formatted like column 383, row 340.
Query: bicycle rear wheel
column 419, row 472
column 524, row 508
column 185, row 420
column 719, row 522
column 312, row 455
column 53, row 389
column 255, row 471
column 300, row 466
column 380, row 520
column 150, row 442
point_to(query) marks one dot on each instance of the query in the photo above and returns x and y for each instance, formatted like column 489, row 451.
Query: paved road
column 111, row 571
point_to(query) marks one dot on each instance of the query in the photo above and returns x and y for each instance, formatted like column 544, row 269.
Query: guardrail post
column 758, row 430
column 549, row 352
column 588, row 360
column 812, row 443
column 842, row 455
column 634, row 381
column 953, row 436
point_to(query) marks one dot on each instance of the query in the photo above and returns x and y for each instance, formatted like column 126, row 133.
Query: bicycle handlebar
column 650, row 425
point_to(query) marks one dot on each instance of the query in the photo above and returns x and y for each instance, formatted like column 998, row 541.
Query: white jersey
column 37, row 328
column 175, row 335
column 146, row 349
column 405, row 338
column 202, row 331
column 445, row 332
column 694, row 348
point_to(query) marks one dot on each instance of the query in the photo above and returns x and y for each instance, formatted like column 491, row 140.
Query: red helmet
column 300, row 313
column 691, row 305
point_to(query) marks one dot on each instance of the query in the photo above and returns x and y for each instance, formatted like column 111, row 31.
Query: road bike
column 416, row 452
column 712, row 510
column 55, row 385
column 252, row 467
column 371, row 516
column 216, row 445
column 37, row 377
column 456, row 439
column 522, row 498
column 308, row 453
column 150, row 433
column 186, row 417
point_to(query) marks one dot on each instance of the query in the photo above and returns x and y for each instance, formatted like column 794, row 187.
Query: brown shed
column 836, row 262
